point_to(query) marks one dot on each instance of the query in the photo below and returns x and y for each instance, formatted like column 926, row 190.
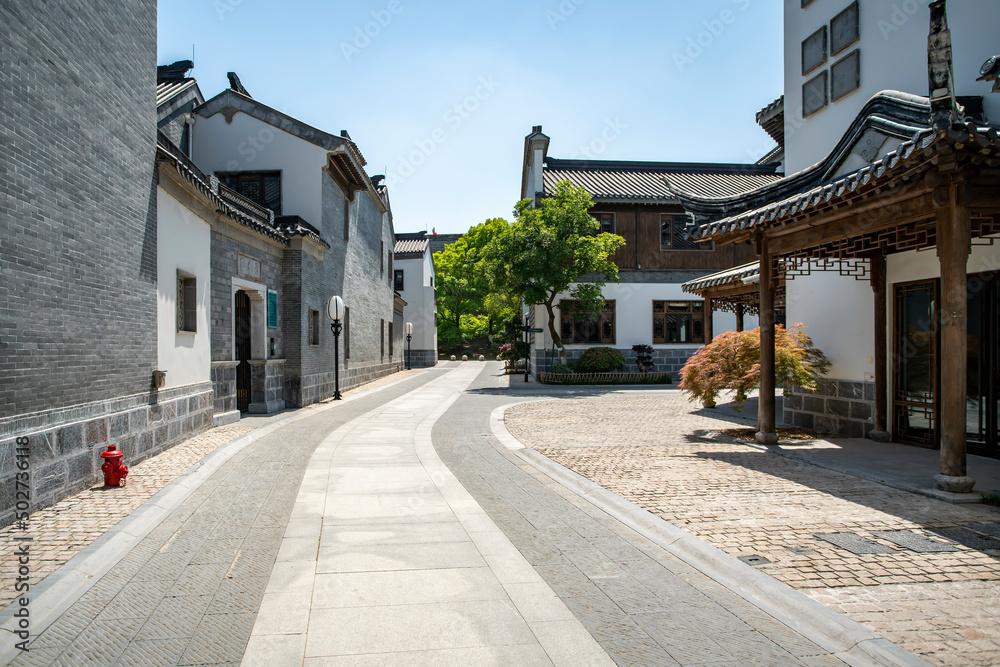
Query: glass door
column 983, row 389
column 915, row 363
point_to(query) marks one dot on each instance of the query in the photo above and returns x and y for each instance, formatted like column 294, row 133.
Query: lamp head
column 408, row 328
column 335, row 309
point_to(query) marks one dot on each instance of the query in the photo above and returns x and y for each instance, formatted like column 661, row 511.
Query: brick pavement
column 750, row 503
column 642, row 604
column 188, row 593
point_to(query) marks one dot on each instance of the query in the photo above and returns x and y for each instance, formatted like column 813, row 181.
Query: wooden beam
column 820, row 232
column 878, row 280
column 954, row 245
column 766, row 430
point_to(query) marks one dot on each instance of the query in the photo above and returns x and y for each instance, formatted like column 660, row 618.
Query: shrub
column 600, row 360
column 561, row 369
column 732, row 361
column 513, row 351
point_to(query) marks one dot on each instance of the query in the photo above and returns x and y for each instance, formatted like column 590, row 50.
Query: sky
column 439, row 96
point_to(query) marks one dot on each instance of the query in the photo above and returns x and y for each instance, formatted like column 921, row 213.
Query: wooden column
column 739, row 317
column 709, row 321
column 954, row 244
column 766, row 430
column 881, row 431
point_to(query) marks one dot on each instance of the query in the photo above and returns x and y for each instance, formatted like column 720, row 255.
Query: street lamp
column 335, row 309
column 408, row 328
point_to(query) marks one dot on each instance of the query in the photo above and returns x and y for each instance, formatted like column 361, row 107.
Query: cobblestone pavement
column 61, row 531
column 643, row 605
column 188, row 593
column 939, row 598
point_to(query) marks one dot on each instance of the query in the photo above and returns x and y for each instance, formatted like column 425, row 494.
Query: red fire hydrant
column 114, row 471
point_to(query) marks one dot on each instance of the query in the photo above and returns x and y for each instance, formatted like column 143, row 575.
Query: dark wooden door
column 983, row 388
column 915, row 363
column 241, row 335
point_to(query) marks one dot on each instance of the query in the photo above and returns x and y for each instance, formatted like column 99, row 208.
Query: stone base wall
column 836, row 406
column 665, row 360
column 224, row 388
column 304, row 390
column 267, row 385
column 65, row 445
column 422, row 359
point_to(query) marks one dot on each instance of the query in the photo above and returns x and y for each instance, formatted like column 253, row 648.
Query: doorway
column 242, row 341
column 982, row 385
column 916, row 364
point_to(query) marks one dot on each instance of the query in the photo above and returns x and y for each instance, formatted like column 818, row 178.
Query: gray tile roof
column 727, row 277
column 411, row 244
column 983, row 139
column 170, row 89
column 652, row 182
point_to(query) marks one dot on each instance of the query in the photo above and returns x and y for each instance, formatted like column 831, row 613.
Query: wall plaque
column 248, row 267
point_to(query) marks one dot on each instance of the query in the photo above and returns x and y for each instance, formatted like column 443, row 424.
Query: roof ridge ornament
column 945, row 111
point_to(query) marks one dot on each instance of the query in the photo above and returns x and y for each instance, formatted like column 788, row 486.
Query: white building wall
column 893, row 44
column 838, row 311
column 183, row 243
column 249, row 144
column 634, row 316
column 421, row 306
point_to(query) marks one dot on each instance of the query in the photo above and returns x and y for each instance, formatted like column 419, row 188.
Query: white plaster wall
column 839, row 311
column 420, row 302
column 248, row 144
column 183, row 242
column 893, row 43
column 634, row 315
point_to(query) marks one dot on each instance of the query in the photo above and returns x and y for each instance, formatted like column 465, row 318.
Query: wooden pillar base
column 879, row 436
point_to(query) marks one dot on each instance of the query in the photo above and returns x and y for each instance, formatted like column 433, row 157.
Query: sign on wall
column 272, row 309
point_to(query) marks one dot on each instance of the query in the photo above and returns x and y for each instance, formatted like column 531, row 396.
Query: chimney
column 941, row 78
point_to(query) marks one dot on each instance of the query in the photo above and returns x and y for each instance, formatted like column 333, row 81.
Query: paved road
column 397, row 529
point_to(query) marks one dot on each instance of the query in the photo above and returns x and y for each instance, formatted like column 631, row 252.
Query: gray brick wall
column 836, row 406
column 78, row 222
column 225, row 251
column 355, row 270
column 665, row 360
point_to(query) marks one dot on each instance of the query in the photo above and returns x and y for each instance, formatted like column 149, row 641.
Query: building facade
column 413, row 280
column 635, row 201
column 885, row 243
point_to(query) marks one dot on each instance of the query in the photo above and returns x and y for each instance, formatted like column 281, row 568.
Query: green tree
column 554, row 249
column 464, row 291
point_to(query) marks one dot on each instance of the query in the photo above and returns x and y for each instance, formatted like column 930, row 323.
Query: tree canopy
column 469, row 304
column 553, row 249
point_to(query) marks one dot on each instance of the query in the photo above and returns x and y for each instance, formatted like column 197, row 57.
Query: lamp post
column 335, row 309
column 408, row 328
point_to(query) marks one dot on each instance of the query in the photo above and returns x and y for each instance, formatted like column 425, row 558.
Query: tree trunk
column 556, row 339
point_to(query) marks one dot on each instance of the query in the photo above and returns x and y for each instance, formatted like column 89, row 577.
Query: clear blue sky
column 443, row 94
